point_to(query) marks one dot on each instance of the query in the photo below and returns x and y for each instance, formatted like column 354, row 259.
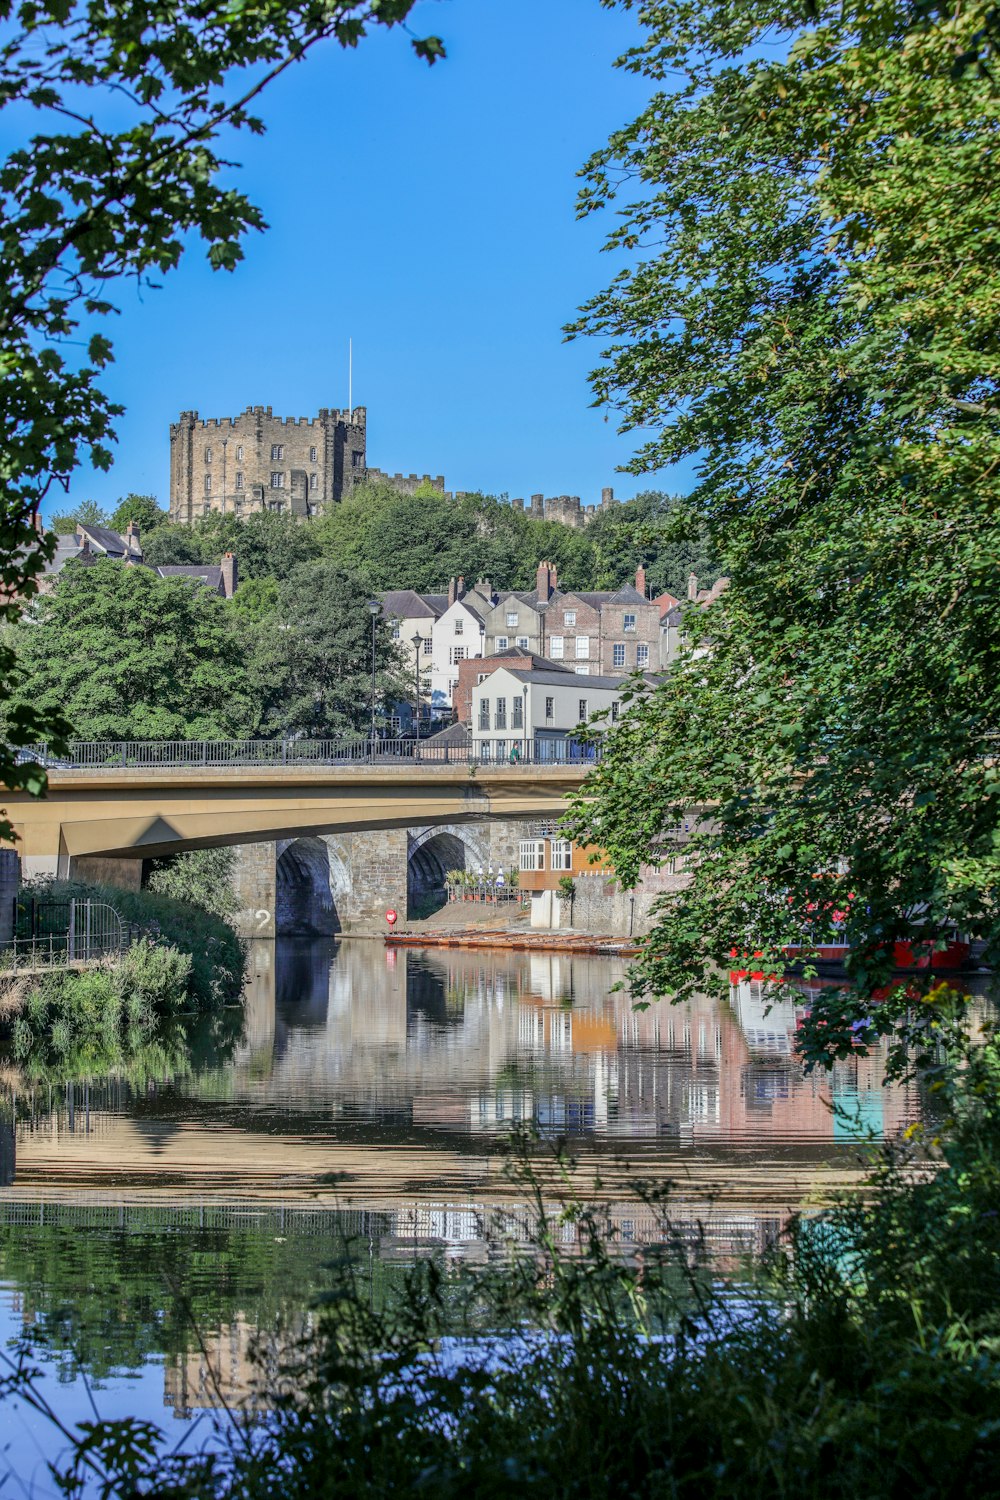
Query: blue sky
column 427, row 213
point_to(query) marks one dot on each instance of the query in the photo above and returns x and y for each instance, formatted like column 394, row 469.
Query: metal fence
column 54, row 934
column 97, row 755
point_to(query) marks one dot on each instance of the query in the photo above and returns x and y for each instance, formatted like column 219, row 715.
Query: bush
column 91, row 1022
column 216, row 953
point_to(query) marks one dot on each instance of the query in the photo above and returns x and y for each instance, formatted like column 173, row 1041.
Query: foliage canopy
column 809, row 208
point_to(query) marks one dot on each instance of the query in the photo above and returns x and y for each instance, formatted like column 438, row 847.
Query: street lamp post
column 416, row 641
column 374, row 609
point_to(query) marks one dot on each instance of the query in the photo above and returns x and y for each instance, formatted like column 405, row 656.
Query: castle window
column 277, row 481
column 208, row 455
column 312, row 455
column 208, row 484
column 556, row 647
column 642, row 656
column 569, row 617
column 239, row 481
column 277, row 452
column 239, row 453
column 313, row 481
column 630, row 622
column 357, row 460
column 618, row 654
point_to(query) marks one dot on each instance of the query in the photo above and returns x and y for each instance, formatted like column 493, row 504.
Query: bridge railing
column 97, row 755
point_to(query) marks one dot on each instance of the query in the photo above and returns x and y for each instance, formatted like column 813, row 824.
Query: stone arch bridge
column 367, row 835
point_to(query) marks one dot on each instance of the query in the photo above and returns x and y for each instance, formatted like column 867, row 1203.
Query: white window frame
column 277, row 479
column 583, row 648
column 531, row 854
column 618, row 654
column 277, row 452
column 569, row 618
column 560, row 854
column 557, row 648
column 642, row 654
column 459, row 627
column 628, row 622
column 502, row 642
column 582, row 671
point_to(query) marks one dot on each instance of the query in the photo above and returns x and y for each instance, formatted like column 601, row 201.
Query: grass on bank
column 860, row 1359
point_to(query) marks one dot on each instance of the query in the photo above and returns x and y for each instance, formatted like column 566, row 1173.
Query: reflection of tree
column 111, row 1298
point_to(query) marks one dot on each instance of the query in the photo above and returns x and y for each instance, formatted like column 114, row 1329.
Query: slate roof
column 455, row 734
column 558, row 679
column 108, row 541
column 407, row 604
column 210, row 576
column 538, row 663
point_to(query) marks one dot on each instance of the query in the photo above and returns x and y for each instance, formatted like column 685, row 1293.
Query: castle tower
column 257, row 461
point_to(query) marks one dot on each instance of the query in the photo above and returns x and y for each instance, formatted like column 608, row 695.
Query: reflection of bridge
column 121, row 806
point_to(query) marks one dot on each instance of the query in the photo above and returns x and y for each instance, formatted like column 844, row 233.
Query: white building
column 517, row 713
column 457, row 635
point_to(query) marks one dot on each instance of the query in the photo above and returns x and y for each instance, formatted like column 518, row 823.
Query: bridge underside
column 141, row 814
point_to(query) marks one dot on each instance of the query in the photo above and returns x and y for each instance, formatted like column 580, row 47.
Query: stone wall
column 225, row 464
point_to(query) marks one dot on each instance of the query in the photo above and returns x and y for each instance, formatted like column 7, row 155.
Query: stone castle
column 299, row 465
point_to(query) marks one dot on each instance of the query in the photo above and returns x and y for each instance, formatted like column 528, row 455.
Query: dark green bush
column 217, row 954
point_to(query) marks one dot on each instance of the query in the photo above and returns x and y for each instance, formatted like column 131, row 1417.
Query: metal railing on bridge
column 97, row 755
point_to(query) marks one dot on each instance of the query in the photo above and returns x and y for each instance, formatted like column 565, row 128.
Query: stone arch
column 429, row 858
column 305, row 884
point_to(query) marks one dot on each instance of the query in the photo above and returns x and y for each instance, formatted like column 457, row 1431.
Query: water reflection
column 364, row 1097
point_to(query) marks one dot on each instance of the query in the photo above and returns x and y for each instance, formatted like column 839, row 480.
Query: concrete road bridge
column 111, row 806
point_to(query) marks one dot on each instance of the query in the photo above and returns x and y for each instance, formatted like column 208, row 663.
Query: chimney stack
column 640, row 580
column 452, row 591
column 543, row 582
column 692, row 586
column 230, row 575
column 553, row 577
column 461, row 585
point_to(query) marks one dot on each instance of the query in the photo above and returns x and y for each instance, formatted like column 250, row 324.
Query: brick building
column 594, row 632
column 257, row 461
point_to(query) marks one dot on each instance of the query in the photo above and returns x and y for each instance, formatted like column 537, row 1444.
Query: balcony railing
column 106, row 755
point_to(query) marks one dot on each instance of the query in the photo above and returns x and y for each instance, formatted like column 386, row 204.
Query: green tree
column 130, row 656
column 266, row 545
column 114, row 166
column 659, row 532
column 172, row 546
column 143, row 509
column 312, row 662
column 256, row 598
column 821, row 322
column 87, row 513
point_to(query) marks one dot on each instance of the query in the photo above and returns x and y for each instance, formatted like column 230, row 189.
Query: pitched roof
column 210, row 576
column 558, row 679
column 105, row 539
column 407, row 604
column 455, row 734
column 538, row 663
column 627, row 594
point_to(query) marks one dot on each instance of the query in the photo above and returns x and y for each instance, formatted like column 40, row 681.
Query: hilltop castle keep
column 257, row 461
column 297, row 465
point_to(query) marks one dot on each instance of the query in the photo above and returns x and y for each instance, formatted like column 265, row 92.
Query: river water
column 365, row 1096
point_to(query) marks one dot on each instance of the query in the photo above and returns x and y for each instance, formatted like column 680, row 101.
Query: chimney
column 692, row 585
column 640, row 580
column 461, row 585
column 230, row 575
column 543, row 582
column 485, row 587
column 553, row 577
column 452, row 591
